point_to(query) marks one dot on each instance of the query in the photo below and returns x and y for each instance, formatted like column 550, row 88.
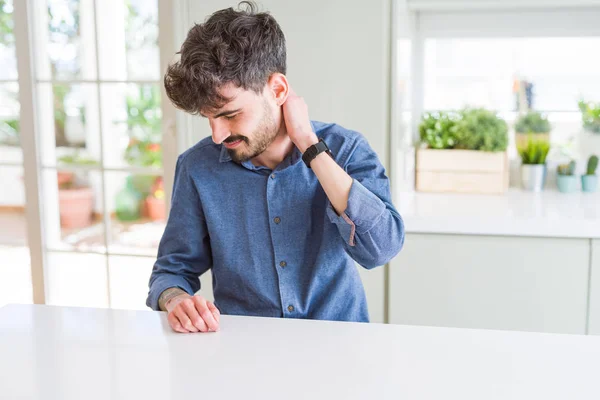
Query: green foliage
column 9, row 132
column 532, row 122
column 7, row 37
column 438, row 130
column 566, row 169
column 535, row 152
column 79, row 179
column 144, row 128
column 77, row 159
column 590, row 115
column 481, row 129
column 470, row 129
column 592, row 165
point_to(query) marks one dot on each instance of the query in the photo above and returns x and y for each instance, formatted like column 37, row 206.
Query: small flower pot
column 76, row 206
column 533, row 177
column 589, row 183
column 566, row 183
column 156, row 208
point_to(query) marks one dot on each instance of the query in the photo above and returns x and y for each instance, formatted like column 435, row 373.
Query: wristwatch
column 314, row 151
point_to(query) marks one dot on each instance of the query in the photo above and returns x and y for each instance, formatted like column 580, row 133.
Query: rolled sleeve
column 364, row 210
column 371, row 227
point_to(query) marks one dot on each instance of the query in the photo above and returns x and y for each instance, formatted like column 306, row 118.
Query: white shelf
column 517, row 213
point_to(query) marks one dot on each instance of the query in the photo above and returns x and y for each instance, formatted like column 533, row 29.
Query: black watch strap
column 314, row 151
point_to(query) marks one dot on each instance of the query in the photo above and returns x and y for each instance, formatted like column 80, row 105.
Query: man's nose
column 220, row 131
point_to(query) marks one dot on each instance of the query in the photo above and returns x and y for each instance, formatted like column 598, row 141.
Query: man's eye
column 230, row 117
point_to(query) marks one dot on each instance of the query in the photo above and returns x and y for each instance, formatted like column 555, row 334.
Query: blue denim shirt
column 274, row 243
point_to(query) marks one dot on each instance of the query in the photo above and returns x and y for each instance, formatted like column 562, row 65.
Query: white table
column 77, row 353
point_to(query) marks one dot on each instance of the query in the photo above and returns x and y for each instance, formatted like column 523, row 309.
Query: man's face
column 246, row 125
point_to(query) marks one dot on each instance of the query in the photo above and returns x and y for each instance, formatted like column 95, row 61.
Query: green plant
column 438, row 130
column 590, row 115
column 9, row 132
column 532, row 122
column 566, row 169
column 78, row 159
column 592, row 165
column 78, row 179
column 7, row 37
column 535, row 152
column 481, row 129
column 144, row 128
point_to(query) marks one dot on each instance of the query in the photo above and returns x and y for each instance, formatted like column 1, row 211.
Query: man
column 278, row 206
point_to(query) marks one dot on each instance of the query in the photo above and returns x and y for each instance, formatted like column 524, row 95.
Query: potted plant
column 589, row 181
column 75, row 196
column 155, row 202
column 143, row 125
column 531, row 123
column 462, row 152
column 533, row 167
column 565, row 177
column 589, row 136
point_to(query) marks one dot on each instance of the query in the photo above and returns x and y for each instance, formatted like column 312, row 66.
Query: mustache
column 235, row 138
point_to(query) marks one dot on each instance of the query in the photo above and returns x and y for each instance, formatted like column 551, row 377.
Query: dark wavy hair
column 244, row 47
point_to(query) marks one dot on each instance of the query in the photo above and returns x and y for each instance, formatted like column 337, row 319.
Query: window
column 98, row 131
column 474, row 58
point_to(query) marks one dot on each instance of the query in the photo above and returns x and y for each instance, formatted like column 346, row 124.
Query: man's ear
column 278, row 87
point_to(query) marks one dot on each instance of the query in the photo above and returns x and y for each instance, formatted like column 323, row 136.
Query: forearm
column 169, row 294
column 335, row 181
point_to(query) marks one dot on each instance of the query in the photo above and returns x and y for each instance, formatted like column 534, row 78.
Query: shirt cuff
column 161, row 284
column 362, row 213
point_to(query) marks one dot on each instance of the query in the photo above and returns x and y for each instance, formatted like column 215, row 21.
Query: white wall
column 338, row 60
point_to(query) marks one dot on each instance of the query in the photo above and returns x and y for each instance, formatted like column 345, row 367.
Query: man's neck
column 276, row 152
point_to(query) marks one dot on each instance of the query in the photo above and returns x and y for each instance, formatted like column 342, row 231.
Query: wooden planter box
column 462, row 171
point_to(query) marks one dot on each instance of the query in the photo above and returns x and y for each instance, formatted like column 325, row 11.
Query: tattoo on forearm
column 167, row 295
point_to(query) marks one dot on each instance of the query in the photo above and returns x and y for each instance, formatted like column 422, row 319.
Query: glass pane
column 554, row 72
column 129, row 46
column 8, row 58
column 136, row 204
column 70, row 124
column 15, row 266
column 68, row 40
column 77, row 280
column 10, row 144
column 132, row 131
column 73, row 210
column 129, row 278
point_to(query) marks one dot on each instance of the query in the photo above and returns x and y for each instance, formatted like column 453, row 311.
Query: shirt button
column 277, row 220
column 283, row 263
column 290, row 308
column 272, row 176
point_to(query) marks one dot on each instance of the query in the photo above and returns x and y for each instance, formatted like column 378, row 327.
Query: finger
column 206, row 313
column 184, row 319
column 194, row 316
column 215, row 311
column 175, row 325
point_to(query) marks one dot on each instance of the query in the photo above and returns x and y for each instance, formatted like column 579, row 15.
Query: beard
column 262, row 137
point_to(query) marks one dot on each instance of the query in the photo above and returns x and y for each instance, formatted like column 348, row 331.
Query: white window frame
column 491, row 19
column 32, row 161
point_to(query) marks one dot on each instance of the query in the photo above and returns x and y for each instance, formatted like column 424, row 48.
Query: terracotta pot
column 76, row 207
column 64, row 177
column 156, row 208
